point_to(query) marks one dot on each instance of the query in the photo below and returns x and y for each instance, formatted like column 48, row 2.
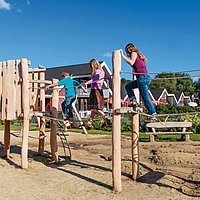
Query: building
column 81, row 73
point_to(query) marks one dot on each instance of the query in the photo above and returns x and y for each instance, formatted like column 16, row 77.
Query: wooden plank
column 168, row 133
column 41, row 81
column 169, row 124
column 30, row 70
column 30, row 76
column 116, row 126
column 10, row 90
column 18, row 77
column 25, row 106
column 1, row 65
column 4, row 85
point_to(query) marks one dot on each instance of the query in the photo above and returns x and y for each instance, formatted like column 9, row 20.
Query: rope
column 184, row 71
column 81, row 85
column 173, row 114
column 172, row 78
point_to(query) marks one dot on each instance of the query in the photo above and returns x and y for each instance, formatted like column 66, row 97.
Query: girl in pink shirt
column 96, row 104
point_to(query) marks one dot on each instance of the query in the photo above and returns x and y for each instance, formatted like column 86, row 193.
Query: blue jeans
column 142, row 84
column 67, row 106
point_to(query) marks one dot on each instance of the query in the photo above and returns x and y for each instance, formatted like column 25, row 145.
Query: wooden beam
column 35, row 70
column 116, row 126
column 41, row 81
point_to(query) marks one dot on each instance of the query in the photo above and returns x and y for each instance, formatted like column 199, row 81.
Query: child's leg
column 63, row 106
column 129, row 89
column 69, row 112
column 143, row 87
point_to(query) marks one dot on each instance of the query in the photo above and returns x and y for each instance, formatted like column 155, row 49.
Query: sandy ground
column 169, row 171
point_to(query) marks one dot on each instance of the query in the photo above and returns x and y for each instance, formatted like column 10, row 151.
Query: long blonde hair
column 94, row 64
column 132, row 48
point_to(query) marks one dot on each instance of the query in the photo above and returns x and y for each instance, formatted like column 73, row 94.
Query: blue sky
column 68, row 32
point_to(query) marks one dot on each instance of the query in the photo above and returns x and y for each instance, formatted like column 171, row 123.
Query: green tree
column 197, row 90
column 174, row 85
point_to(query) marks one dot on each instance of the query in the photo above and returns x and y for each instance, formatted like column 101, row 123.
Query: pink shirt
column 98, row 79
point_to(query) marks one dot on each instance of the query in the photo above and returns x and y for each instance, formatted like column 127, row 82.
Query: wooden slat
column 30, row 75
column 1, row 65
column 10, row 90
column 30, row 70
column 35, row 93
column 18, row 99
column 41, row 81
column 169, row 124
column 4, row 91
column 168, row 133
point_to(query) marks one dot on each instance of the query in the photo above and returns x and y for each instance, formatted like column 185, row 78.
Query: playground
column 89, row 166
column 169, row 170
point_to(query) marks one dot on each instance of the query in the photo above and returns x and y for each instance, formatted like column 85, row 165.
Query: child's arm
column 84, row 89
column 130, row 60
column 51, row 86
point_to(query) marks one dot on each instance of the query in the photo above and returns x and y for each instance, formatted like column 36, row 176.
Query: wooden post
column 1, row 82
column 42, row 119
column 79, row 118
column 135, row 146
column 116, row 126
column 6, row 138
column 53, row 135
column 25, row 108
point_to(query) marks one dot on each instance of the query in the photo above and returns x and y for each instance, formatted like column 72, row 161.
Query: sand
column 168, row 170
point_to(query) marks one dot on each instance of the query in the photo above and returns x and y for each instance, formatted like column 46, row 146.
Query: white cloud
column 19, row 10
column 107, row 54
column 4, row 5
column 28, row 2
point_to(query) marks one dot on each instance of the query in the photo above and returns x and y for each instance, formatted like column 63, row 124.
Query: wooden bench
column 162, row 125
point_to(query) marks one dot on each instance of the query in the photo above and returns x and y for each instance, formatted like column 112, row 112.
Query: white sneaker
column 153, row 117
column 134, row 102
column 67, row 124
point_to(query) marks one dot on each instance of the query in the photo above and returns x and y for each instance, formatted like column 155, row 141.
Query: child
column 70, row 94
column 137, row 60
column 96, row 95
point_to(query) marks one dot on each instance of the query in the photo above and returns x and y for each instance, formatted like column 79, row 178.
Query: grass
column 143, row 137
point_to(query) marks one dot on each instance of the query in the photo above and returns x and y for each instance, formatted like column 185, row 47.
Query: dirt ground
column 169, row 170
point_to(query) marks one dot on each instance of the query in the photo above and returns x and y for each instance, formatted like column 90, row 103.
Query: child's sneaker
column 88, row 124
column 135, row 105
column 66, row 123
column 108, row 121
column 153, row 117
